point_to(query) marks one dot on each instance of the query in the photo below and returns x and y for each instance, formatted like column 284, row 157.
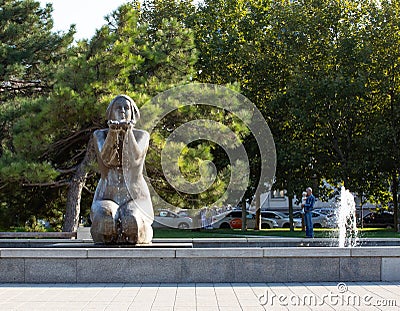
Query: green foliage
column 28, row 48
column 29, row 55
column 208, row 142
column 13, row 171
column 326, row 92
column 321, row 73
column 50, row 133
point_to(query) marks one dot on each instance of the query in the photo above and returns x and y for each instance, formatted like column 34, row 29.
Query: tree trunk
column 395, row 153
column 244, row 214
column 395, row 192
column 73, row 208
column 258, row 212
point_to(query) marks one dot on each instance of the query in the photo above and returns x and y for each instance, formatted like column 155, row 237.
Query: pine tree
column 29, row 53
column 122, row 57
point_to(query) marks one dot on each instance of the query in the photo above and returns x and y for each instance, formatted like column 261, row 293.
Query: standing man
column 308, row 207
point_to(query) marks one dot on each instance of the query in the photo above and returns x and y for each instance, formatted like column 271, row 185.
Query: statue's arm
column 106, row 143
column 138, row 143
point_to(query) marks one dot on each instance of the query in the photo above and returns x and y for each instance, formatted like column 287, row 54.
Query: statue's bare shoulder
column 100, row 137
column 141, row 134
column 102, row 133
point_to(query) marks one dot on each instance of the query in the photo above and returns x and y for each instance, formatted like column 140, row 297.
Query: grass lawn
column 230, row 233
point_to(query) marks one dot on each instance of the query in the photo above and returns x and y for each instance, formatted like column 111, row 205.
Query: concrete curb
column 181, row 265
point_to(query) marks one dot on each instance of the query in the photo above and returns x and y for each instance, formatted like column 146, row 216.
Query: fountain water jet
column 346, row 219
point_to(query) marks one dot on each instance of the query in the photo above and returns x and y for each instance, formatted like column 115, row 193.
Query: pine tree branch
column 67, row 170
column 54, row 184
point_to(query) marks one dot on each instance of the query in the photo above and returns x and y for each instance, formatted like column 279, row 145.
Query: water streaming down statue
column 121, row 211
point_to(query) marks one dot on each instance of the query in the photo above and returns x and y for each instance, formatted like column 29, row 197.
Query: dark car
column 379, row 220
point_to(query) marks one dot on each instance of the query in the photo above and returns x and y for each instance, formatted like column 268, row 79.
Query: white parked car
column 281, row 218
column 233, row 220
column 167, row 218
column 326, row 210
column 218, row 217
column 319, row 220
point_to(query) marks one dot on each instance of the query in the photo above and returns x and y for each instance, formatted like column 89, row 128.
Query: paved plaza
column 201, row 296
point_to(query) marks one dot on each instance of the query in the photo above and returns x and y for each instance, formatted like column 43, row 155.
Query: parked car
column 183, row 212
column 281, row 218
column 319, row 220
column 326, row 210
column 378, row 220
column 167, row 218
column 218, row 217
column 233, row 220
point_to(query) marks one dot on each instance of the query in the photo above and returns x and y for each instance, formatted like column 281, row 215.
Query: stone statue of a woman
column 121, row 211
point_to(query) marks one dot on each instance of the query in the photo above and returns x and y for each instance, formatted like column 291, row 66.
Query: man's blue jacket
column 309, row 205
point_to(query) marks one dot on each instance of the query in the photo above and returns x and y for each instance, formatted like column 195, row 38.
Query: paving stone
column 204, row 296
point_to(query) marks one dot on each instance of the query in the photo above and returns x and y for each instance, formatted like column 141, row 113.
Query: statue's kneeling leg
column 103, row 216
column 129, row 227
column 135, row 225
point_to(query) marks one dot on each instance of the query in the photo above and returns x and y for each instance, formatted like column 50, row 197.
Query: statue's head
column 123, row 108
